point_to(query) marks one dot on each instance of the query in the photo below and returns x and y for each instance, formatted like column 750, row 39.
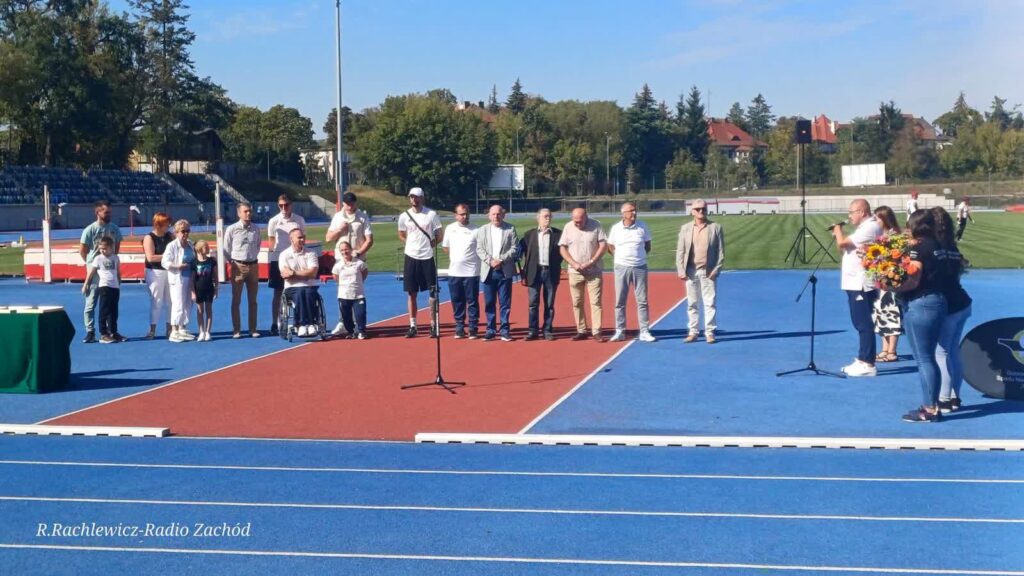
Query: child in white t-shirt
column 107, row 268
column 350, row 273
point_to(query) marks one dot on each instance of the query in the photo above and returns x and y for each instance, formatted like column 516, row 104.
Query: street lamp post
column 339, row 174
column 607, row 163
column 517, row 144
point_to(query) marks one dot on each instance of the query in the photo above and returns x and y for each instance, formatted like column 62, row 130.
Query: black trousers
column 108, row 301
column 546, row 281
column 960, row 229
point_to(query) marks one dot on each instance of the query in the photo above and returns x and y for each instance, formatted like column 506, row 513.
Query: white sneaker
column 646, row 336
column 619, row 336
column 301, row 332
column 312, row 330
column 184, row 334
column 338, row 330
column 205, row 336
column 858, row 369
column 176, row 337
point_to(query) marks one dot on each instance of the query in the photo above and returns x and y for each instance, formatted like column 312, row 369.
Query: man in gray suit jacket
column 700, row 253
column 497, row 247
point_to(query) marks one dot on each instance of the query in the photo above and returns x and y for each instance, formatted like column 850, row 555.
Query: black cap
column 348, row 198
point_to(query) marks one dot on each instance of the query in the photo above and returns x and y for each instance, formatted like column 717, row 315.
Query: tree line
column 81, row 85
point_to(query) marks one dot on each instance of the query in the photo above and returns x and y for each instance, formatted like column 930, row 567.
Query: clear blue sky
column 806, row 57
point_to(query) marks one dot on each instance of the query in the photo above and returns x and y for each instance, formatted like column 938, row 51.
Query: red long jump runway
column 350, row 389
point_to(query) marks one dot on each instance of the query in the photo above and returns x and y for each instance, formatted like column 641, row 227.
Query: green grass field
column 995, row 240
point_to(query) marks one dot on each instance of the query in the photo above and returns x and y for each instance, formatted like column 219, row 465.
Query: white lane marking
column 515, row 560
column 486, row 510
column 516, row 473
column 588, row 377
column 200, row 375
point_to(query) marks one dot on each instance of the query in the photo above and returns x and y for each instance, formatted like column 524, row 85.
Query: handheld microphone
column 833, row 226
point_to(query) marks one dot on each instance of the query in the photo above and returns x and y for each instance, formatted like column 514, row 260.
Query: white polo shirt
column 461, row 244
column 280, row 228
column 417, row 244
column 350, row 279
column 307, row 259
column 853, row 275
column 629, row 243
column 358, row 228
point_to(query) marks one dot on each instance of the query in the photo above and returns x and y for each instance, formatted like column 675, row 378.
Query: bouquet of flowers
column 887, row 261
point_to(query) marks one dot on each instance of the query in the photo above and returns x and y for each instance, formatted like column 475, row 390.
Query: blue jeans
column 547, row 281
column 350, row 308
column 861, row 305
column 498, row 291
column 90, row 306
column 922, row 320
column 947, row 354
column 464, row 290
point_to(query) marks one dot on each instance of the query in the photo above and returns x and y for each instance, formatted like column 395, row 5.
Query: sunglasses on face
column 701, row 209
column 283, row 205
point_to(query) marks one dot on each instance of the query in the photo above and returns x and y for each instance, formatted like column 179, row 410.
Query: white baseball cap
column 416, row 192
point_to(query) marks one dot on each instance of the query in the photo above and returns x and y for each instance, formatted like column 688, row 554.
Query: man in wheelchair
column 299, row 269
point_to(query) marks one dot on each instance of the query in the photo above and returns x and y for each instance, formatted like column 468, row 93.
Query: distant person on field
column 629, row 241
column 242, row 250
column 105, row 272
column 911, row 204
column 205, row 288
column 542, row 268
column 860, row 293
column 700, row 254
column 886, row 313
column 88, row 248
column 963, row 214
column 299, row 268
column 352, row 225
column 279, row 230
column 179, row 260
column 154, row 244
column 582, row 245
column 497, row 246
column 463, row 272
column 418, row 229
column 350, row 273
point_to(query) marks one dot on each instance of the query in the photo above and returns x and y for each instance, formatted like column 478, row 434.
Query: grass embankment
column 995, row 240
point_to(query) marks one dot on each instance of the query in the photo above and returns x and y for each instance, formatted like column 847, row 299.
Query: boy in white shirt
column 106, row 267
column 350, row 273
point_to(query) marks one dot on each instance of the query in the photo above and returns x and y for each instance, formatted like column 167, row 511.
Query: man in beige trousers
column 582, row 245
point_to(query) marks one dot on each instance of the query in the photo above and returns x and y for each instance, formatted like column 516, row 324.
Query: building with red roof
column 733, row 141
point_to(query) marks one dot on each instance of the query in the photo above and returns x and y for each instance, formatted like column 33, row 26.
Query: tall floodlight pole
column 339, row 174
column 607, row 163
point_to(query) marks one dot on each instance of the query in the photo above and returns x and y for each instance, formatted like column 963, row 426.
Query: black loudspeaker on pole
column 798, row 250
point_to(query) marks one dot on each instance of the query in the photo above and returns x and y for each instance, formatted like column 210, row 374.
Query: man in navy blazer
column 498, row 248
column 542, row 269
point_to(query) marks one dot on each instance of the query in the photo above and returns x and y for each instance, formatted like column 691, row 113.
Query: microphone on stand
column 833, row 226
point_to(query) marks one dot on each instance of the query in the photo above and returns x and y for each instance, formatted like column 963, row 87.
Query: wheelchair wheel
column 321, row 318
column 284, row 328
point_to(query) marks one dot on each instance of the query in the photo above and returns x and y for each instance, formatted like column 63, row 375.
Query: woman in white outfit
column 179, row 260
column 154, row 244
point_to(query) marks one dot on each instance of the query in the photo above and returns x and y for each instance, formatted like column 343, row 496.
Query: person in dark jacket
column 542, row 269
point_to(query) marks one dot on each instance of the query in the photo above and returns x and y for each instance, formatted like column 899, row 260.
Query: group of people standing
column 492, row 255
column 931, row 306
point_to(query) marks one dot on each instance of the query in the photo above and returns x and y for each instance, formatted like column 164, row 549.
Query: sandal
column 886, row 357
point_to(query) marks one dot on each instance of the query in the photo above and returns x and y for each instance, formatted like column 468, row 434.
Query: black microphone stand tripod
column 435, row 333
column 812, row 281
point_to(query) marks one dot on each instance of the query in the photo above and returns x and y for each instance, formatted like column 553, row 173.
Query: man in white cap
column 419, row 229
column 700, row 253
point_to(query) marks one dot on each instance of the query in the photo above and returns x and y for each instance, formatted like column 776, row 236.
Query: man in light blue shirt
column 88, row 248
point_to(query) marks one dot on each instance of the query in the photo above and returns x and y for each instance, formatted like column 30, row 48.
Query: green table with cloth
column 35, row 355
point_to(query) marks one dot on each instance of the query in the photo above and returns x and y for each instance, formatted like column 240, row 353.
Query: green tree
column 780, row 161
column 759, row 117
column 444, row 95
column 348, row 126
column 492, row 102
column 737, row 117
column 690, row 115
column 648, row 133
column 961, row 115
column 416, row 140
column 682, row 171
column 999, row 116
column 516, row 101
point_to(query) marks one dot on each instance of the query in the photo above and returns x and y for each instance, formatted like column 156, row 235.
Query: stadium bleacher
column 24, row 185
column 137, row 187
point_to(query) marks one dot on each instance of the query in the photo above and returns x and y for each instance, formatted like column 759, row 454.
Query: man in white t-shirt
column 353, row 225
column 912, row 203
column 419, row 228
column 279, row 231
column 299, row 267
column 860, row 292
column 963, row 214
column 629, row 241
column 463, row 272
